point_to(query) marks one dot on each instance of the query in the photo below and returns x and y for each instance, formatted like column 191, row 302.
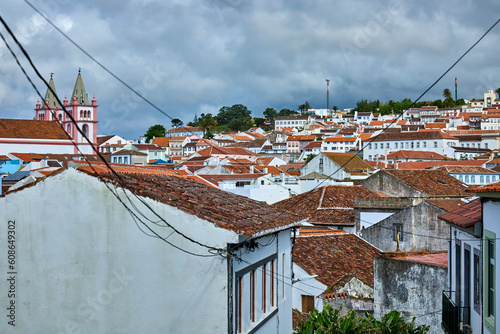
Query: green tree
column 497, row 91
column 206, row 123
column 238, row 111
column 157, row 130
column 176, row 123
column 302, row 107
column 447, row 93
column 259, row 121
column 270, row 114
column 286, row 112
column 194, row 122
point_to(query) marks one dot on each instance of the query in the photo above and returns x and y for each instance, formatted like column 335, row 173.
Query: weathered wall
column 412, row 288
column 421, row 230
column 83, row 266
column 388, row 185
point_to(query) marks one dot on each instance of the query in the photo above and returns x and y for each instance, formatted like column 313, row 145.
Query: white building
column 181, row 257
column 386, row 142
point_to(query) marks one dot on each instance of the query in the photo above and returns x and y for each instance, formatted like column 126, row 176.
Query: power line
column 219, row 251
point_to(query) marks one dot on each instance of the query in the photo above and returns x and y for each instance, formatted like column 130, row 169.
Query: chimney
column 264, row 170
column 252, row 169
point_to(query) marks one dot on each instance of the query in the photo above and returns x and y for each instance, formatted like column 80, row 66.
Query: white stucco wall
column 306, row 286
column 58, row 147
column 83, row 266
column 473, row 244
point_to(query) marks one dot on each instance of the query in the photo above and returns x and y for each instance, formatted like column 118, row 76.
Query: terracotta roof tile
column 330, row 205
column 431, row 164
column 432, row 258
column 32, row 129
column 434, row 183
column 466, row 215
column 335, row 257
column 226, row 210
column 28, row 157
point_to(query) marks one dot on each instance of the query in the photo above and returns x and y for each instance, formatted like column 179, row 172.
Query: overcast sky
column 193, row 56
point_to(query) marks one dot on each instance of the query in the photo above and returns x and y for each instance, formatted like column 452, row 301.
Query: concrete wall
column 388, row 185
column 421, row 230
column 399, row 285
column 82, row 265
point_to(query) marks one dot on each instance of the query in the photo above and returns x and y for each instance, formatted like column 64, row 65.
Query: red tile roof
column 31, row 129
column 226, row 210
column 335, row 258
column 466, row 215
column 228, row 151
column 330, row 205
column 28, row 157
column 432, row 258
column 446, row 204
column 434, row 183
column 430, row 164
column 161, row 141
column 420, row 135
column 408, row 154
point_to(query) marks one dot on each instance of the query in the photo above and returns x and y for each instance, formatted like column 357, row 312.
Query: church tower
column 83, row 112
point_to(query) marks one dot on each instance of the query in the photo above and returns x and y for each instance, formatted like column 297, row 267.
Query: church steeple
column 51, row 98
column 79, row 91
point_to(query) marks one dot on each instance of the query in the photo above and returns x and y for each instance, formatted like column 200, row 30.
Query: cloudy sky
column 194, row 56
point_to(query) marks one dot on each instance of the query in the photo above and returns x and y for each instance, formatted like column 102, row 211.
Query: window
column 472, row 179
column 125, row 160
column 412, row 144
column 264, row 288
column 375, row 145
column 458, row 272
column 397, row 230
column 242, row 183
column 283, row 274
column 274, row 283
column 481, row 179
column 490, row 310
column 387, row 145
column 435, row 144
column 467, row 179
column 252, row 295
column 395, row 145
column 418, row 144
column 239, row 310
column 85, row 130
column 424, row 144
column 476, row 293
column 407, row 145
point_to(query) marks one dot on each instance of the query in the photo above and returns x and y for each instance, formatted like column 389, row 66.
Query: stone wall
column 414, row 289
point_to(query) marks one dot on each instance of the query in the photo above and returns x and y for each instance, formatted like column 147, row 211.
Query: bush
column 329, row 322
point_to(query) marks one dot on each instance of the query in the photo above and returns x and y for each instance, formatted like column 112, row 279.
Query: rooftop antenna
column 327, row 95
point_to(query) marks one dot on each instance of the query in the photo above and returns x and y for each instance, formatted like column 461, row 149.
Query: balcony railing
column 454, row 317
column 450, row 313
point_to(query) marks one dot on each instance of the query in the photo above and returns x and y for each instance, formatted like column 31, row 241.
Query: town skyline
column 190, row 59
